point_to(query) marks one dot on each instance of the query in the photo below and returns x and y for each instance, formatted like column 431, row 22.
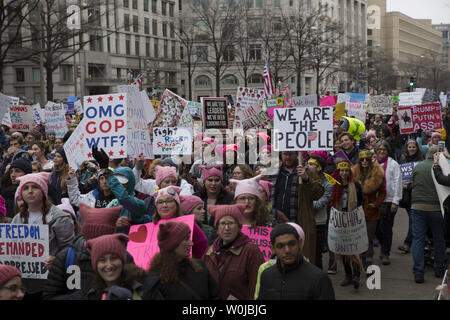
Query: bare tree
column 186, row 36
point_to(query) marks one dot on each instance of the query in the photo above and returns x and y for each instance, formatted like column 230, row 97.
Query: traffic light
column 412, row 81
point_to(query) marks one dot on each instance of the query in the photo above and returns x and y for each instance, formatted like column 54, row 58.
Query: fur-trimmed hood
column 373, row 180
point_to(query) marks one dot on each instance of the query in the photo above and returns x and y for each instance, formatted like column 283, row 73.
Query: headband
column 365, row 154
column 411, row 141
column 343, row 165
column 314, row 161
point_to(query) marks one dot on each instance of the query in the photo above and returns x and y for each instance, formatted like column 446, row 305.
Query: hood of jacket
column 241, row 239
column 55, row 213
column 128, row 173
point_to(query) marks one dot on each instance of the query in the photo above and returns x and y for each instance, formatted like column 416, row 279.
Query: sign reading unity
column 347, row 234
column 260, row 236
column 143, row 243
column 406, row 170
column 425, row 117
column 172, row 141
column 215, row 113
column 106, row 125
column 55, row 119
column 26, row 247
column 303, row 129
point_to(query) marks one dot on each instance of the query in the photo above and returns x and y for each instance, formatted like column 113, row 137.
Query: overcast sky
column 437, row 10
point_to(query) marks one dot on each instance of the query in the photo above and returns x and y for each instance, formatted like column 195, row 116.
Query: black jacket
column 224, row 197
column 202, row 283
column 300, row 281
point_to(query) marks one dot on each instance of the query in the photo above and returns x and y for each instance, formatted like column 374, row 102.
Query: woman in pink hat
column 239, row 172
column 10, row 283
column 194, row 205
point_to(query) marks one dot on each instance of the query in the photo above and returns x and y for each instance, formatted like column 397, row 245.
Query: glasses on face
column 166, row 202
column 245, row 199
column 365, row 159
column 382, row 150
column 14, row 289
column 226, row 224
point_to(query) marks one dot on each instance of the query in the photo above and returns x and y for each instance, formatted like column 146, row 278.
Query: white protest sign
column 305, row 101
column 195, row 108
column 76, row 148
column 252, row 116
column 172, row 141
column 303, row 129
column 347, row 233
column 78, row 107
column 21, row 117
column 7, row 120
column 443, row 99
column 380, row 105
column 149, row 111
column 410, row 98
column 55, row 119
column 357, row 110
column 186, row 120
column 5, row 102
column 342, row 97
column 246, row 97
column 106, row 123
column 442, row 191
column 39, row 114
column 26, row 247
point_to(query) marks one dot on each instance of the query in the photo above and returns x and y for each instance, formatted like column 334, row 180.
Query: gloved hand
column 101, row 157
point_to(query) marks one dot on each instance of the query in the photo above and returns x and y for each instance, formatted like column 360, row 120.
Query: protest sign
column 26, row 247
column 149, row 112
column 55, row 119
column 252, row 116
column 342, row 97
column 7, row 120
column 425, row 117
column 186, row 120
column 260, row 236
column 143, row 243
column 271, row 104
column 410, row 98
column 76, row 148
column 215, row 113
column 246, row 97
column 5, row 102
column 21, row 117
column 442, row 191
column 327, row 101
column 357, row 110
column 172, row 141
column 305, row 101
column 430, row 96
column 406, row 170
column 356, row 97
column 106, row 125
column 169, row 110
column 339, row 111
column 155, row 104
column 347, row 233
column 443, row 100
column 39, row 114
column 303, row 129
column 380, row 105
column 78, row 107
column 195, row 109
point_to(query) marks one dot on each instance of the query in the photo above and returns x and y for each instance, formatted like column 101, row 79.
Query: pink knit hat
column 41, row 179
column 266, row 185
column 300, row 232
column 7, row 273
column 233, row 210
column 170, row 235
column 107, row 244
column 436, row 134
column 263, row 136
column 371, row 133
column 2, row 206
column 322, row 154
column 188, row 203
column 162, row 173
column 268, row 147
column 172, row 191
column 246, row 186
column 66, row 206
column 211, row 171
column 209, row 140
column 98, row 221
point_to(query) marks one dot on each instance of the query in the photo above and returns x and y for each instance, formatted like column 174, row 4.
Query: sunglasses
column 365, row 159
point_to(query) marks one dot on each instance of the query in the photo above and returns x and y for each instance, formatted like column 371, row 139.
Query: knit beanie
column 233, row 210
column 162, row 173
column 189, row 202
column 2, row 206
column 267, row 147
column 63, row 154
column 22, row 164
column 172, row 191
column 213, row 171
column 7, row 273
column 67, row 207
column 171, row 234
column 98, row 221
column 170, row 161
column 263, row 136
column 107, row 244
column 40, row 178
column 267, row 186
column 322, row 154
column 246, row 186
column 436, row 134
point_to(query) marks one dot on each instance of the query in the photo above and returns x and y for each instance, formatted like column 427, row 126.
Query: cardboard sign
column 260, row 236
column 76, row 148
column 106, row 125
column 26, row 247
column 215, row 113
column 347, row 233
column 143, row 243
column 305, row 101
column 406, row 170
column 303, row 129
column 21, row 117
column 252, row 116
column 442, row 191
column 357, row 110
column 172, row 141
column 425, row 117
column 380, row 105
column 328, row 101
column 55, row 119
column 410, row 98
column 169, row 110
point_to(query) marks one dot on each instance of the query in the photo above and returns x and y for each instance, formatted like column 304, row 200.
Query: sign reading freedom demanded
column 303, row 129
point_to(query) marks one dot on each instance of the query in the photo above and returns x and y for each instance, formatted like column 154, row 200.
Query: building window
column 155, row 27
column 250, row 3
column 154, row 6
column 136, row 47
column 172, row 9
column 164, row 29
column 135, row 6
column 369, row 43
column 146, row 25
column 172, row 30
column 66, row 73
column 276, row 24
column 254, row 28
column 147, row 49
column 95, row 43
column 108, row 44
column 126, row 22
column 164, row 8
column 156, row 48
column 126, row 3
column 276, row 3
column 36, row 75
column 127, row 46
column 291, row 3
column 229, row 79
column 181, row 52
column 369, row 32
column 258, row 4
column 173, row 52
column 135, row 24
column 96, row 71
column 228, row 54
column 255, row 78
column 255, row 52
column 203, row 81
column 202, row 53
column 166, row 50
column 119, row 75
column 146, row 5
column 37, row 97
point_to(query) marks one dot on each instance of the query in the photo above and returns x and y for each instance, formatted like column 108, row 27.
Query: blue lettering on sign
column 20, row 231
column 108, row 111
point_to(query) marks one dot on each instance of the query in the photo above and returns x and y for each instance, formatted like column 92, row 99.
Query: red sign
column 425, row 117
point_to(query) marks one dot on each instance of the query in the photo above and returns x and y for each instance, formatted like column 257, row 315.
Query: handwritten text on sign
column 303, row 129
column 106, row 126
column 26, row 247
column 172, row 140
column 76, row 147
column 55, row 119
column 425, row 117
column 21, row 117
column 260, row 236
column 347, row 234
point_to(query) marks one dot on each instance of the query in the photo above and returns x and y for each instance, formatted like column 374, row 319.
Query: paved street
column 397, row 279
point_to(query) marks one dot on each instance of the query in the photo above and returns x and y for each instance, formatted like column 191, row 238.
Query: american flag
column 268, row 83
column 138, row 80
column 312, row 136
